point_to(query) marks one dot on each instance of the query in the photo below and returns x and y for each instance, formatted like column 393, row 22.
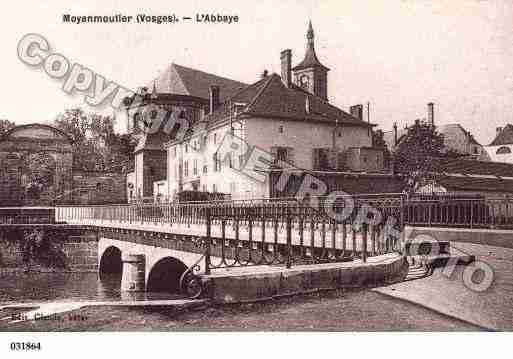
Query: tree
column 6, row 125
column 417, row 154
column 96, row 145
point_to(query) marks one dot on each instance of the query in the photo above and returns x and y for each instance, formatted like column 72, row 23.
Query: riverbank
column 354, row 310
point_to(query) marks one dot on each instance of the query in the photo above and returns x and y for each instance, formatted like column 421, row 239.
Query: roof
column 476, row 168
column 181, row 80
column 455, row 129
column 269, row 97
column 451, row 130
column 37, row 130
column 475, row 176
column 505, row 137
column 453, row 183
column 310, row 59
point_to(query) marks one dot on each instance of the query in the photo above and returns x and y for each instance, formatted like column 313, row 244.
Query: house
column 501, row 148
column 286, row 116
column 456, row 138
column 177, row 89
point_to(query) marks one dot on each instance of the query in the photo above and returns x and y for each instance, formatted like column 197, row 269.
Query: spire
column 154, row 90
column 310, row 32
column 310, row 59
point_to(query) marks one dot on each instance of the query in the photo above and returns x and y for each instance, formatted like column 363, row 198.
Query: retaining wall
column 261, row 283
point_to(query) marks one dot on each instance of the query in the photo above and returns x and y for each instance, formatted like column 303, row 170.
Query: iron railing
column 460, row 212
column 266, row 231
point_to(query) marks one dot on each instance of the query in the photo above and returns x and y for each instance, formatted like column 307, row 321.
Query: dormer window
column 503, row 150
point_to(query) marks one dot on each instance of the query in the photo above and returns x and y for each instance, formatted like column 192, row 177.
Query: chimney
column 214, row 98
column 286, row 67
column 356, row 111
column 498, row 130
column 431, row 113
column 264, row 74
column 395, row 134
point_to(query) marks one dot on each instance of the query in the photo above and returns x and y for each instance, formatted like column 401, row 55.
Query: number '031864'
column 25, row 346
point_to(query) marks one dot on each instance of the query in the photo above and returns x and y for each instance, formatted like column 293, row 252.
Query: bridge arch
column 165, row 275
column 110, row 262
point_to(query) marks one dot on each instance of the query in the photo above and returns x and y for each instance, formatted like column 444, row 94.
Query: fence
column 460, row 212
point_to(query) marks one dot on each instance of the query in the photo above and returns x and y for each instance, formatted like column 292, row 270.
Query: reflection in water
column 36, row 287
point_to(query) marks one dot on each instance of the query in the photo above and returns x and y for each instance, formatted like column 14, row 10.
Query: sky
column 396, row 55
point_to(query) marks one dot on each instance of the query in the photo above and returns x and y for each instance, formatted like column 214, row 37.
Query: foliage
column 38, row 248
column 417, row 153
column 96, row 145
column 6, row 125
column 40, row 169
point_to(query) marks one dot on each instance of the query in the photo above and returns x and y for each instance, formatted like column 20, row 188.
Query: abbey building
column 287, row 115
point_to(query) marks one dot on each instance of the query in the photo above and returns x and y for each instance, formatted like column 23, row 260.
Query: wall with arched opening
column 35, row 165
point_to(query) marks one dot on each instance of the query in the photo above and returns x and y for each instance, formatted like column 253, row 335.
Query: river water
column 20, row 287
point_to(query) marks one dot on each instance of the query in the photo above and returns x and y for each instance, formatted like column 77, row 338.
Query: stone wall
column 79, row 249
column 20, row 175
column 92, row 187
column 81, row 253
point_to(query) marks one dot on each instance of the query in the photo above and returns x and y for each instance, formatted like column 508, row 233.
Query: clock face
column 303, row 81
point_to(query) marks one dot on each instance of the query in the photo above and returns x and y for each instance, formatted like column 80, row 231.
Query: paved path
column 492, row 308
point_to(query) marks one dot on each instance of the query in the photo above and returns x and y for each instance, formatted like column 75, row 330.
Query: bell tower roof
column 310, row 60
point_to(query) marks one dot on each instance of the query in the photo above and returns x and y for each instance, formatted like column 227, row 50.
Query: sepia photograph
column 265, row 168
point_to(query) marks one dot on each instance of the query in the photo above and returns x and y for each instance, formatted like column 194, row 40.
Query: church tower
column 310, row 74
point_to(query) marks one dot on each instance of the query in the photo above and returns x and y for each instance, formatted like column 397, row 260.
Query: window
column 195, row 168
column 339, row 133
column 217, row 162
column 503, row 150
column 321, row 159
column 214, row 188
column 174, row 152
column 204, row 187
column 281, row 154
column 186, row 148
column 205, row 138
column 232, row 187
column 186, row 168
column 229, row 156
column 215, row 138
column 280, row 129
column 205, row 169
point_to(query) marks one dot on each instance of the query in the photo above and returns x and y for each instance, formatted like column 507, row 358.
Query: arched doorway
column 165, row 276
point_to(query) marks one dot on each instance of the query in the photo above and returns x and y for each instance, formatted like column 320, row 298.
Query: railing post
column 208, row 240
column 365, row 228
column 402, row 224
column 471, row 212
column 288, row 214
